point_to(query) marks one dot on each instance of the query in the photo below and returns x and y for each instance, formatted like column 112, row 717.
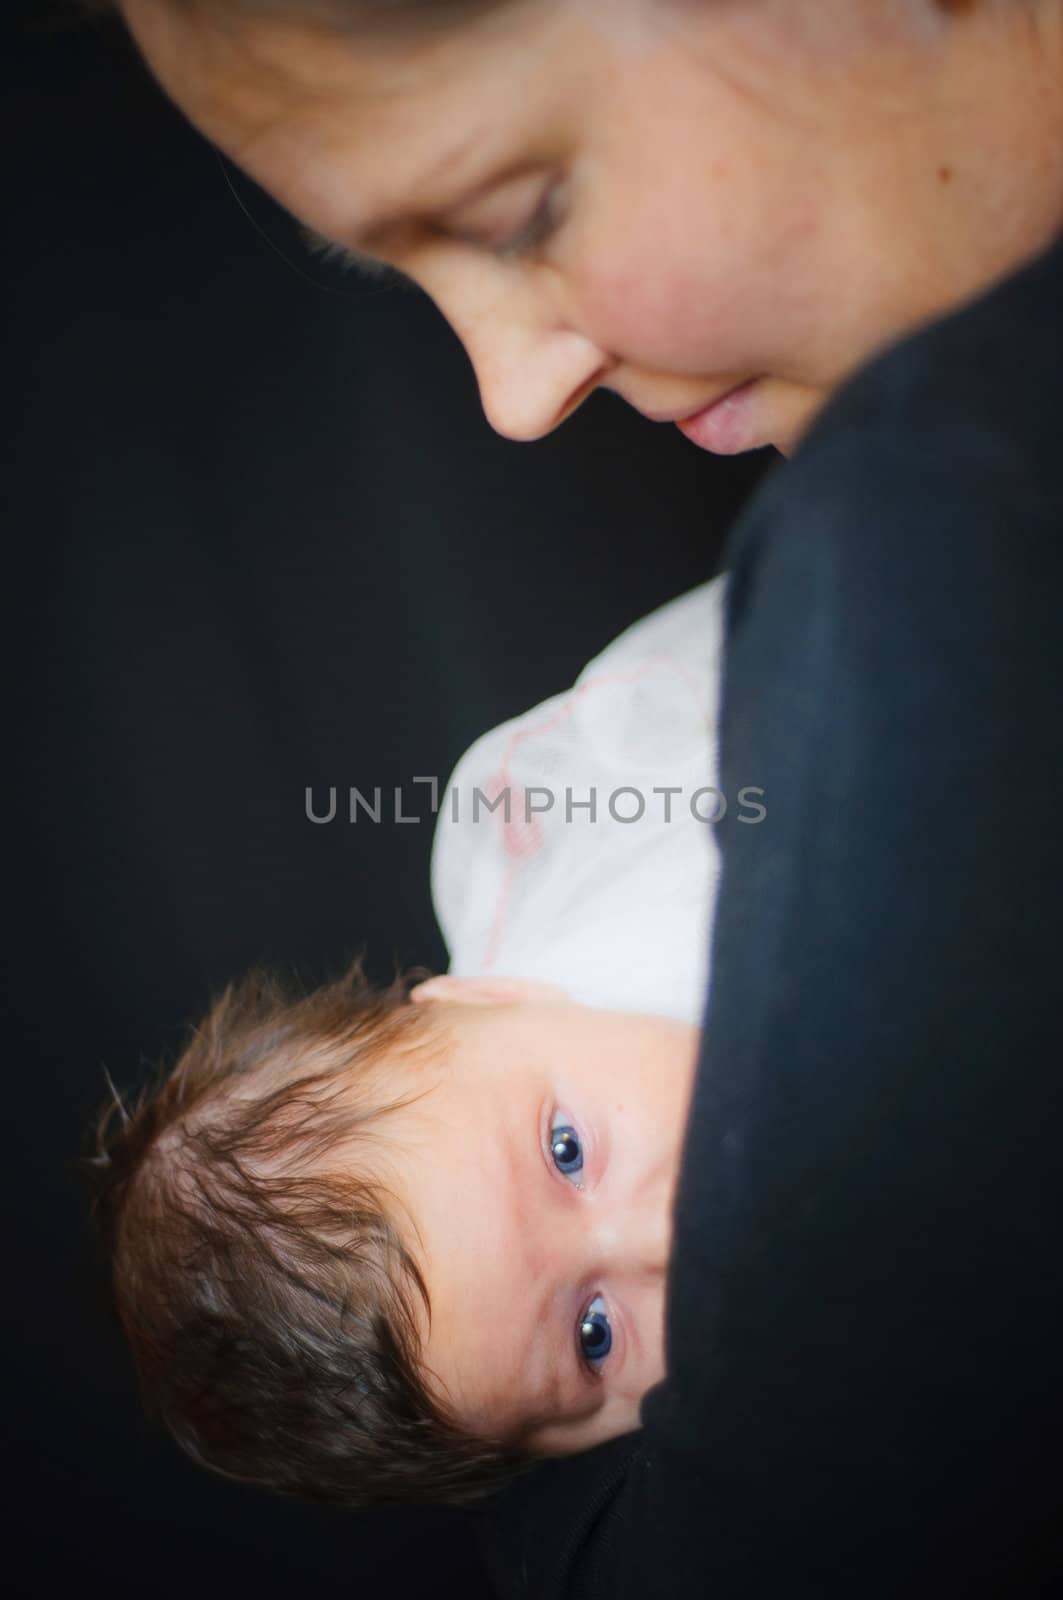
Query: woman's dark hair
column 264, row 1291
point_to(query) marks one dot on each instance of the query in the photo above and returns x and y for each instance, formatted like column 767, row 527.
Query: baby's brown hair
column 266, row 1295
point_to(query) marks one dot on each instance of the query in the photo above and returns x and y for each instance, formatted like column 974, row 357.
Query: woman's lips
column 729, row 425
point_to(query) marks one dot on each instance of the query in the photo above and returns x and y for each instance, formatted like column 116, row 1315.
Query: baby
column 382, row 1246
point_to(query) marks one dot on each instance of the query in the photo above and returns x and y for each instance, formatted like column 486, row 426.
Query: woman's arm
column 865, row 1322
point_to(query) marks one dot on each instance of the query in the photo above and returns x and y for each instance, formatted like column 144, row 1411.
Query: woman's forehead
column 250, row 68
column 291, row 58
column 307, row 113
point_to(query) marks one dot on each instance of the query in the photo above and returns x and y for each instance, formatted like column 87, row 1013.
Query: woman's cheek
column 665, row 315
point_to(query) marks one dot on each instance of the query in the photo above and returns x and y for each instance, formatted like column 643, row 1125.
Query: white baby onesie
column 614, row 904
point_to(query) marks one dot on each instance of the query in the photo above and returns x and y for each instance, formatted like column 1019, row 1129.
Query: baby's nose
column 643, row 1241
column 656, row 1239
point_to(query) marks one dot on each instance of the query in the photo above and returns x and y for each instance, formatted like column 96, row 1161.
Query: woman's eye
column 542, row 224
column 565, row 1149
column 595, row 1334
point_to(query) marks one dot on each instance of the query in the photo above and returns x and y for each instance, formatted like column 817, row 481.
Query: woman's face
column 656, row 197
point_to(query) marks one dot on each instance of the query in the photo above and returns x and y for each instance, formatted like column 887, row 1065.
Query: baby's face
column 664, row 200
column 536, row 1183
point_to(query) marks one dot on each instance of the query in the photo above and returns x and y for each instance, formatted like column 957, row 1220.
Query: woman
column 666, row 198
column 832, row 226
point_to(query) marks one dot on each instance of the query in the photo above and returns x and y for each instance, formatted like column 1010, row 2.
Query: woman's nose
column 531, row 377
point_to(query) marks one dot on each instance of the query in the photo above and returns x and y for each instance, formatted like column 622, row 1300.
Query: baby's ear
column 488, row 991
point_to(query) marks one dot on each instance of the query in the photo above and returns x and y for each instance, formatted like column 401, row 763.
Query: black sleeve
column 865, row 1313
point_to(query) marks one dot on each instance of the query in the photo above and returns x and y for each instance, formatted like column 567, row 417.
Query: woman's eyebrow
column 368, row 265
column 472, row 139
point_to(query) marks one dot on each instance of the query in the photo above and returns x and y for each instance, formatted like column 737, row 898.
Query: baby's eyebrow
column 527, row 1171
column 553, row 1386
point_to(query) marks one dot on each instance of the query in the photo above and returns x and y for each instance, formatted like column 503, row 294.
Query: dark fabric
column 865, row 1314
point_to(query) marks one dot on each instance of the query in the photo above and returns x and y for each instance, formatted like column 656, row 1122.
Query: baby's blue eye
column 565, row 1149
column 595, row 1335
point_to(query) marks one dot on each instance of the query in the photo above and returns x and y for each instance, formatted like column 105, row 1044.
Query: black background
column 258, row 536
